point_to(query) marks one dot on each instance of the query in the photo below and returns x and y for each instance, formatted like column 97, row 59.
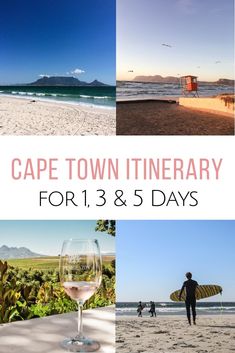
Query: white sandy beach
column 20, row 116
column 212, row 334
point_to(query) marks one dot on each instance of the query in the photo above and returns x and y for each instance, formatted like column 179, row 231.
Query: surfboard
column 203, row 291
column 143, row 307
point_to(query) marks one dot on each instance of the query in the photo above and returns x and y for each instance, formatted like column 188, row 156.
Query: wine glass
column 80, row 276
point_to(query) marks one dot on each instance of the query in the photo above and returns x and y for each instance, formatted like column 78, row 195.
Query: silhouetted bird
column 167, row 45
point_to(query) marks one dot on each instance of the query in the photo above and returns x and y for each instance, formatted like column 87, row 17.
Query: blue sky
column 153, row 257
column 56, row 38
column 199, row 31
column 46, row 237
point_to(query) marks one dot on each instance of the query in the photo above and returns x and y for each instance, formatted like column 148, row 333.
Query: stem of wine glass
column 80, row 325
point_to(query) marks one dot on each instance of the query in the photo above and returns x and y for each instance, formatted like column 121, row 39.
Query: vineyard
column 30, row 288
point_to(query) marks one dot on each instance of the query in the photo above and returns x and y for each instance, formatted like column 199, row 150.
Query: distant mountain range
column 173, row 79
column 225, row 81
column 157, row 79
column 16, row 253
column 65, row 81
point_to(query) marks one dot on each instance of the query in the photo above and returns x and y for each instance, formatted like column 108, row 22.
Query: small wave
column 21, row 93
column 104, row 97
column 56, row 95
column 169, row 310
column 126, row 309
column 85, row 96
column 94, row 97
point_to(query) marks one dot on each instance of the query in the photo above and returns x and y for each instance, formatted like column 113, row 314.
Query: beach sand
column 24, row 117
column 212, row 334
column 163, row 118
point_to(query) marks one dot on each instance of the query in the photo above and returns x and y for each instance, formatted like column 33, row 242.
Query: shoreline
column 27, row 116
column 159, row 314
column 48, row 100
column 149, row 98
column 211, row 334
column 175, row 316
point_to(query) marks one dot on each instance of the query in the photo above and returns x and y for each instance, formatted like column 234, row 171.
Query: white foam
column 94, row 97
column 104, row 97
column 40, row 97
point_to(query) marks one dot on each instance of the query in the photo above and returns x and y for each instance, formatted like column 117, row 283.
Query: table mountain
column 64, row 81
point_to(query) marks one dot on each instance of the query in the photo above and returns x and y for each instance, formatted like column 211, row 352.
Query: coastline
column 57, row 101
column 171, row 333
column 27, row 116
column 149, row 98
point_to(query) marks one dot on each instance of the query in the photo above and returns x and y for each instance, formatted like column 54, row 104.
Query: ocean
column 171, row 308
column 96, row 96
column 127, row 90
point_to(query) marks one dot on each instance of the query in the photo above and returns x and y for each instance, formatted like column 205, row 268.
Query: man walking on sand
column 190, row 302
column 152, row 309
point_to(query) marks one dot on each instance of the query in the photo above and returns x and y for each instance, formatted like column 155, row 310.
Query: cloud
column 72, row 72
column 77, row 72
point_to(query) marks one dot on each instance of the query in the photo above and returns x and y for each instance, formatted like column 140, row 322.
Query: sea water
column 127, row 90
column 97, row 96
column 171, row 308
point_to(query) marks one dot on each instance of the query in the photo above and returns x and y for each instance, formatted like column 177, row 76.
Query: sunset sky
column 199, row 32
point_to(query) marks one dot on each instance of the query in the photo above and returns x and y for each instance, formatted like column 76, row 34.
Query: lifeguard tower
column 189, row 85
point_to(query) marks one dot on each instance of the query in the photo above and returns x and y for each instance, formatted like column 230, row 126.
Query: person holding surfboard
column 190, row 287
column 140, row 309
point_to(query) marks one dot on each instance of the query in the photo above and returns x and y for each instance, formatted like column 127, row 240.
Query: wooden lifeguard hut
column 189, row 85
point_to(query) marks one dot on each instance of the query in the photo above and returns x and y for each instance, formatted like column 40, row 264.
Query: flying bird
column 167, row 45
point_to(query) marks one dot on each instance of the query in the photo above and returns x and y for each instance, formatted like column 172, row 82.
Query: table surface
column 45, row 334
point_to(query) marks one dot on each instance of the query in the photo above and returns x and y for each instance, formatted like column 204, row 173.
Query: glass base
column 78, row 344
